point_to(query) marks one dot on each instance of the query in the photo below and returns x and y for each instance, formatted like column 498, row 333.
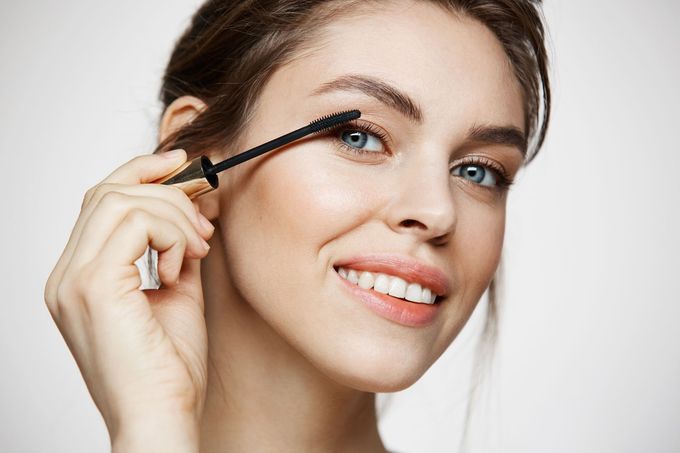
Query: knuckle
column 106, row 191
column 88, row 196
column 136, row 218
column 50, row 294
column 65, row 295
column 110, row 197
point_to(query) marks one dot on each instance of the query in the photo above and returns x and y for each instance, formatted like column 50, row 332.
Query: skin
column 286, row 361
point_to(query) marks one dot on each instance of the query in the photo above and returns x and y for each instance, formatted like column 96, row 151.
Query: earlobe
column 180, row 112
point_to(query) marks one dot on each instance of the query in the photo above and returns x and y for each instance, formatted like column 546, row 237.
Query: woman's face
column 425, row 202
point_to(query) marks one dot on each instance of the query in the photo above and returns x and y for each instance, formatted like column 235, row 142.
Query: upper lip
column 402, row 266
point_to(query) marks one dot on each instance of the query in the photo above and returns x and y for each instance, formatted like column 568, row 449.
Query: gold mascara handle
column 192, row 177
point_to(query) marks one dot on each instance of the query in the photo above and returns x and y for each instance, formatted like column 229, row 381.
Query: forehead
column 451, row 65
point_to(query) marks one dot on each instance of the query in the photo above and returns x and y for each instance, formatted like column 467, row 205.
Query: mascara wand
column 199, row 175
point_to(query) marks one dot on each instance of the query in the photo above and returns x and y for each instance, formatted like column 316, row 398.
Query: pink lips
column 392, row 308
column 402, row 266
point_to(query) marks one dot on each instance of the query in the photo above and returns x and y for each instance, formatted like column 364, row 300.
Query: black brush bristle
column 329, row 121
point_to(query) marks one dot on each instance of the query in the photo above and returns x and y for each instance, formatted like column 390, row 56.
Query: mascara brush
column 199, row 175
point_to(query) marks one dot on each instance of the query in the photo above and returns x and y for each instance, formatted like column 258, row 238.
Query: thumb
column 147, row 168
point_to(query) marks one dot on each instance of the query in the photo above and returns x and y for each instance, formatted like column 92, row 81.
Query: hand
column 142, row 353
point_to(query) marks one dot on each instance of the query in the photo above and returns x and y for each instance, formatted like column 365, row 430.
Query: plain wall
column 588, row 357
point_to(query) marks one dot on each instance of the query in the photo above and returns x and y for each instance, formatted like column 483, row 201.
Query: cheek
column 478, row 242
column 310, row 199
column 474, row 257
column 283, row 211
column 482, row 236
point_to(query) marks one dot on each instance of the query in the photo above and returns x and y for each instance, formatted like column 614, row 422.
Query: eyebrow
column 378, row 89
column 499, row 135
column 404, row 104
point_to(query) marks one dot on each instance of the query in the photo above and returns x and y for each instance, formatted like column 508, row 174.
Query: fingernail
column 172, row 154
column 205, row 222
column 205, row 244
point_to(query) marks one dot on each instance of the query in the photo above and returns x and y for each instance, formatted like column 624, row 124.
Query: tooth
column 343, row 272
column 366, row 280
column 382, row 284
column 434, row 296
column 414, row 293
column 427, row 296
column 397, row 287
column 352, row 276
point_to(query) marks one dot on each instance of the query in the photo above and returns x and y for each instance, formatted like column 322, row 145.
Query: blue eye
column 359, row 139
column 477, row 174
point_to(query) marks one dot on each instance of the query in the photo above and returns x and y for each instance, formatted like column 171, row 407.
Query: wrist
column 164, row 434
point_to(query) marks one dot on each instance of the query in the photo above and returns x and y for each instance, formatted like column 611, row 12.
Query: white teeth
column 366, row 280
column 397, row 287
column 414, row 292
column 382, row 283
column 387, row 284
column 427, row 295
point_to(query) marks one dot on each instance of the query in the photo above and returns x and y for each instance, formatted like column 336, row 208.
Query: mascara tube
column 192, row 177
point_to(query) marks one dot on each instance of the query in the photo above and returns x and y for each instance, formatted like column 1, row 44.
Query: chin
column 376, row 370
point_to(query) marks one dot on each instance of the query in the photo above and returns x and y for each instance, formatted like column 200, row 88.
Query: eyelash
column 503, row 180
column 355, row 125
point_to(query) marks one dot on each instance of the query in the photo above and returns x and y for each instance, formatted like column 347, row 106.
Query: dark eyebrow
column 378, row 89
column 403, row 103
column 498, row 135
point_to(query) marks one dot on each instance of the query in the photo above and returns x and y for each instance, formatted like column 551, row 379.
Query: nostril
column 410, row 222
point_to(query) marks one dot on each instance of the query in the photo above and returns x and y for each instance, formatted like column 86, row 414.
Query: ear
column 180, row 112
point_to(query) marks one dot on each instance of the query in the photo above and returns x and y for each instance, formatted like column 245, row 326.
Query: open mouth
column 389, row 285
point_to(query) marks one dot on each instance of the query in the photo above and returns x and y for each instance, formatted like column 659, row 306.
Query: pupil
column 475, row 173
column 356, row 138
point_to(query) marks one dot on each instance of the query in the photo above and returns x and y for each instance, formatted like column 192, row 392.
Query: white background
column 589, row 348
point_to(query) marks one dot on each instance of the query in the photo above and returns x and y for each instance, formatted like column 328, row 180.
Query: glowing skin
column 294, row 360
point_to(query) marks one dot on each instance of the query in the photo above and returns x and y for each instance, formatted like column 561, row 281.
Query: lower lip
column 400, row 311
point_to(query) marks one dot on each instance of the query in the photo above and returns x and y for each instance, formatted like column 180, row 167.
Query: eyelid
column 366, row 126
column 484, row 161
column 503, row 179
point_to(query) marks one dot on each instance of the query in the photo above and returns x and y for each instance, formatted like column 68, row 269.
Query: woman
column 277, row 338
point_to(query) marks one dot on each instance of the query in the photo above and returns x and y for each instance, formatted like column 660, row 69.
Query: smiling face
column 413, row 189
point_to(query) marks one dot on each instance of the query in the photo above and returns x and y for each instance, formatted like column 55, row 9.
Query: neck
column 262, row 394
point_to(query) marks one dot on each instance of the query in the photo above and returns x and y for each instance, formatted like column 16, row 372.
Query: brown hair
column 231, row 48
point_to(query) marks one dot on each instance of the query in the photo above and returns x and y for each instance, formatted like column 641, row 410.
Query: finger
column 147, row 168
column 170, row 194
column 189, row 284
column 114, row 208
column 129, row 240
column 143, row 168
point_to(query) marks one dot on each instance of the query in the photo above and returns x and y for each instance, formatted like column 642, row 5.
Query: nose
column 423, row 202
